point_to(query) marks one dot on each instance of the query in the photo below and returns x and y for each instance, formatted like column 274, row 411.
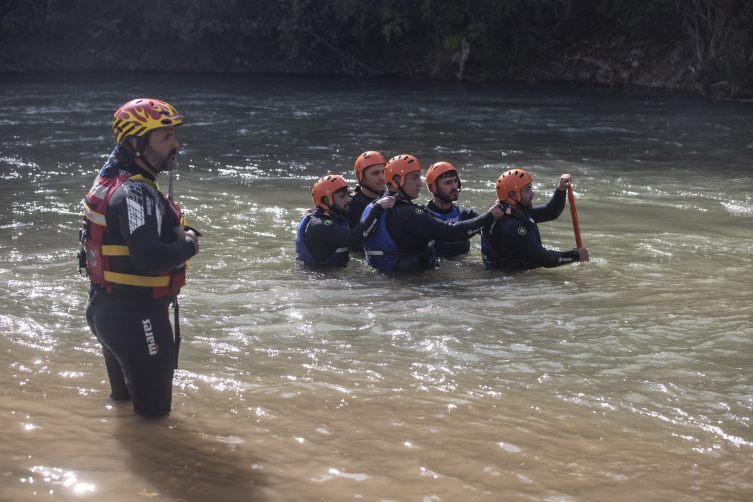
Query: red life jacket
column 98, row 254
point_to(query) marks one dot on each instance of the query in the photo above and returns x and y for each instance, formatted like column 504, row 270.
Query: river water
column 623, row 378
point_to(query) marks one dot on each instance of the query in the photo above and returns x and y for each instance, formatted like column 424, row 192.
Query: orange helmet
column 512, row 181
column 367, row 159
column 326, row 187
column 400, row 166
column 142, row 116
column 437, row 170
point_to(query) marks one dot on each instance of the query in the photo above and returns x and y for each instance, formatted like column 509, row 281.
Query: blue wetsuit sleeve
column 552, row 209
column 140, row 214
column 524, row 244
column 319, row 232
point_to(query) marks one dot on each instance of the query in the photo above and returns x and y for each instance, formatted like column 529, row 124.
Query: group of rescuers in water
column 134, row 242
column 399, row 235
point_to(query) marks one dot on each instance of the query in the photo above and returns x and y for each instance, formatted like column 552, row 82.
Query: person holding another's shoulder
column 514, row 242
column 324, row 235
column 404, row 238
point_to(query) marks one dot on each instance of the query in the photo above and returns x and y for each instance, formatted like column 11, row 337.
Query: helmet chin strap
column 147, row 164
column 364, row 185
column 140, row 155
column 405, row 196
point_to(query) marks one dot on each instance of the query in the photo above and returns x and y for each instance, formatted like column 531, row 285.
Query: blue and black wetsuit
column 514, row 241
column 131, row 324
column 323, row 237
column 452, row 215
column 405, row 234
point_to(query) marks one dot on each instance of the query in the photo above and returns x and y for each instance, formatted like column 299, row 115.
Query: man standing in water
column 443, row 183
column 515, row 242
column 369, row 171
column 135, row 250
column 404, row 238
column 324, row 236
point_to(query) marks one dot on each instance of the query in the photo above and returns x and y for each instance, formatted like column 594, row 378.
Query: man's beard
column 526, row 207
column 161, row 163
column 450, row 196
column 341, row 210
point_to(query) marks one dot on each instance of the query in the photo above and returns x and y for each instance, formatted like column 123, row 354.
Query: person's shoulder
column 509, row 223
column 321, row 220
column 421, row 210
column 322, row 216
column 403, row 207
column 432, row 207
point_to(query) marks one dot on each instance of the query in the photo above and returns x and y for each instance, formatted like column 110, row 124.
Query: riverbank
column 617, row 62
column 699, row 46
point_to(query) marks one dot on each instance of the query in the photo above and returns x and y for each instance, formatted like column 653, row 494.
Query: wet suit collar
column 399, row 199
column 330, row 213
column 438, row 209
column 400, row 195
column 517, row 214
column 359, row 189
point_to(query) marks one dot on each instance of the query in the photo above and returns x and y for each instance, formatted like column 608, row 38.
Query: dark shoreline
column 663, row 70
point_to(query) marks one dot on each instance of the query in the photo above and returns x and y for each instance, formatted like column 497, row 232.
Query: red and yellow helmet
column 437, row 170
column 512, row 181
column 142, row 116
column 367, row 159
column 400, row 166
column 325, row 187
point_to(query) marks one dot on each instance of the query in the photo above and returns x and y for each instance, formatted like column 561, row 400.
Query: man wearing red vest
column 135, row 249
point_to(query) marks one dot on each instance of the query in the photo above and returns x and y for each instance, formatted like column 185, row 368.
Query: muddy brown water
column 624, row 378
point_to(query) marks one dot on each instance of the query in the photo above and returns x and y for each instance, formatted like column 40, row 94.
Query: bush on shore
column 709, row 43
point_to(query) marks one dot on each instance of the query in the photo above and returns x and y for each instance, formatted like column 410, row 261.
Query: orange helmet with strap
column 437, row 170
column 367, row 159
column 512, row 181
column 400, row 166
column 139, row 117
column 326, row 187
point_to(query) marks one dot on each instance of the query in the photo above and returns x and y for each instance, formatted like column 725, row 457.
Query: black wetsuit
column 516, row 242
column 325, row 233
column 132, row 327
column 358, row 203
column 452, row 215
column 412, row 227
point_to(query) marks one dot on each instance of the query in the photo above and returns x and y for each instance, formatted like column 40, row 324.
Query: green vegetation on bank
column 707, row 45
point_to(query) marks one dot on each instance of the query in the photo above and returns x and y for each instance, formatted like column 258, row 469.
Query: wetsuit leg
column 114, row 372
column 410, row 264
column 140, row 340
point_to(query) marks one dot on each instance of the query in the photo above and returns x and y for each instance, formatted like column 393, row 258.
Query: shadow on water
column 175, row 461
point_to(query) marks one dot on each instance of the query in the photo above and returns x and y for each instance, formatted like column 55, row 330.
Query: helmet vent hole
column 166, row 121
